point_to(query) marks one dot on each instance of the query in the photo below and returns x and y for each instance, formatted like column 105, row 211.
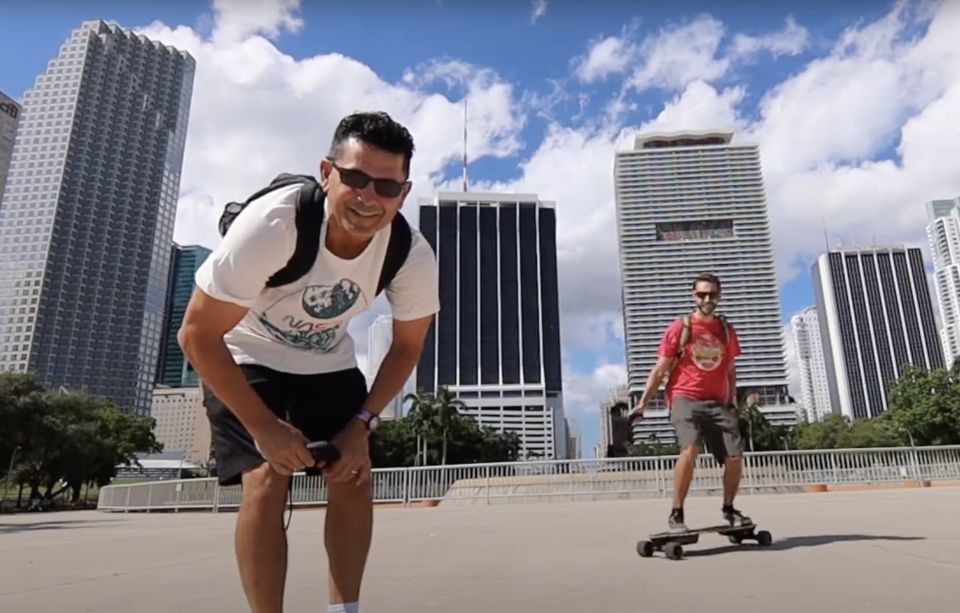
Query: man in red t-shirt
column 701, row 393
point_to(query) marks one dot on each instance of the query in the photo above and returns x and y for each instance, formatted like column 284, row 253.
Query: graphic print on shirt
column 707, row 352
column 294, row 318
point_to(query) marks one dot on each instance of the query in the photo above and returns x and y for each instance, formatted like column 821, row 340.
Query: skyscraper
column 9, row 120
column 876, row 318
column 943, row 231
column 496, row 341
column 814, row 385
column 378, row 344
column 691, row 203
column 88, row 212
column 174, row 370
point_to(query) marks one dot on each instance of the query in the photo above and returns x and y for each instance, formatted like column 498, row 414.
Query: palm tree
column 422, row 415
column 446, row 410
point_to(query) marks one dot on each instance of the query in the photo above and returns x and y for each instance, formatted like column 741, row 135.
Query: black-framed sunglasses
column 357, row 179
column 705, row 295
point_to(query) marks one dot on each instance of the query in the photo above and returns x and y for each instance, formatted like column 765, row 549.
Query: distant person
column 266, row 329
column 697, row 353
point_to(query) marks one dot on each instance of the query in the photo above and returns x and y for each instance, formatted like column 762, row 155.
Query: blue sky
column 849, row 102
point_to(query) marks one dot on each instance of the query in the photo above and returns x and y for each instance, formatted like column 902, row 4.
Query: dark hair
column 377, row 129
column 707, row 278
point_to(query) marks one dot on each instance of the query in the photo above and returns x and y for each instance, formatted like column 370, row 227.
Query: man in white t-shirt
column 278, row 366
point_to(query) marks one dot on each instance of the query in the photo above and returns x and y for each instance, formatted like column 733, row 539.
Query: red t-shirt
column 703, row 373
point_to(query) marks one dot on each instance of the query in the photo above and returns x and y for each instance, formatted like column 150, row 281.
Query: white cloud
column 792, row 40
column 538, row 11
column 257, row 111
column 859, row 140
column 606, row 57
column 680, row 54
column 238, row 19
column 587, row 392
column 860, row 137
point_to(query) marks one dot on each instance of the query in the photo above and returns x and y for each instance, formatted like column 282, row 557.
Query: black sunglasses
column 705, row 295
column 357, row 179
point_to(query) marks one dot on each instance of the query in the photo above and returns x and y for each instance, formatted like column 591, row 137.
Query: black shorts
column 318, row 405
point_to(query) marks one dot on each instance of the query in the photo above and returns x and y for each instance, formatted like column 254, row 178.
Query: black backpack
column 310, row 203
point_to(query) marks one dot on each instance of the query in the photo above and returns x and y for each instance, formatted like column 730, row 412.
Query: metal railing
column 603, row 478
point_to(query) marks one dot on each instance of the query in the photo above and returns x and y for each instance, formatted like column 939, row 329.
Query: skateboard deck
column 671, row 543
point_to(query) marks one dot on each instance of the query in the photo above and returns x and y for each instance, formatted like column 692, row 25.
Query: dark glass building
column 173, row 370
column 496, row 339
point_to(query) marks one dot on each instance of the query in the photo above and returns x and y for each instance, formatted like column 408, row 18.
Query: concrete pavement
column 876, row 551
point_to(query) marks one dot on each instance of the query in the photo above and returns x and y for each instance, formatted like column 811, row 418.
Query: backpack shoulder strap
column 724, row 326
column 309, row 219
column 397, row 250
column 684, row 335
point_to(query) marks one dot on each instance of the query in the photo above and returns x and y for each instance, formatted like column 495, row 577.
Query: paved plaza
column 875, row 551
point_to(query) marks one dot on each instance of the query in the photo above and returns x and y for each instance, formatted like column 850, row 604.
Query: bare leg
column 260, row 542
column 347, row 533
column 683, row 474
column 732, row 469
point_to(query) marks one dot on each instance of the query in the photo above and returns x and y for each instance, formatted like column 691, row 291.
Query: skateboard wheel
column 674, row 551
column 645, row 549
column 764, row 538
column 736, row 539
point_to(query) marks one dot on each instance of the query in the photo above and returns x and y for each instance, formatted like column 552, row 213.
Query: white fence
column 779, row 471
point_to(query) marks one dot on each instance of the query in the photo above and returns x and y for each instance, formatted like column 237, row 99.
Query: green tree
column 68, row 439
column 758, row 433
column 823, row 434
column 423, row 420
column 838, row 432
column 927, row 404
column 446, row 408
column 433, row 422
column 18, row 393
column 394, row 444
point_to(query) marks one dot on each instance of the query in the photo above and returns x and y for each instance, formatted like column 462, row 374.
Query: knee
column 264, row 488
column 690, row 452
column 350, row 495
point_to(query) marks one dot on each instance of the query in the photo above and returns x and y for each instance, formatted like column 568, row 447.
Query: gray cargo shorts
column 709, row 422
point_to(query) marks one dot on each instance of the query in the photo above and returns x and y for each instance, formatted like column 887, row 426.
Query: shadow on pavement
column 795, row 542
column 53, row 525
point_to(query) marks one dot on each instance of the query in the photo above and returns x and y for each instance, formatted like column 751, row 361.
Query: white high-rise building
column 943, row 231
column 88, row 211
column 181, row 422
column 876, row 319
column 378, row 344
column 814, row 385
column 687, row 204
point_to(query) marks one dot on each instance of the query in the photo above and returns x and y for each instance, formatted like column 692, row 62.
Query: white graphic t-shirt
column 302, row 327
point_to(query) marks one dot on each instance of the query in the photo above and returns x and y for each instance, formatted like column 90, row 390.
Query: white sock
column 345, row 607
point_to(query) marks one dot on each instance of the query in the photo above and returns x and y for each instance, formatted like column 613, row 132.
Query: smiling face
column 706, row 294
column 365, row 188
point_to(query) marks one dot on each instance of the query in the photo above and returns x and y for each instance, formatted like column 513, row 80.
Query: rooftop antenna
column 826, row 237
column 465, row 144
